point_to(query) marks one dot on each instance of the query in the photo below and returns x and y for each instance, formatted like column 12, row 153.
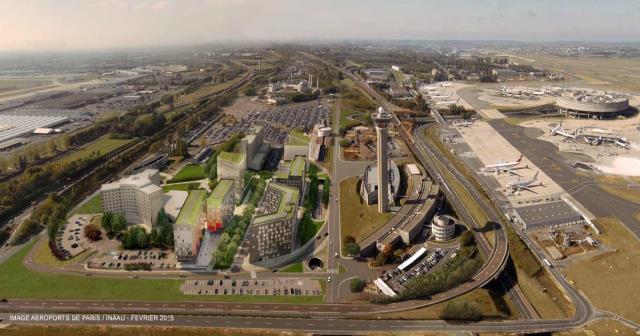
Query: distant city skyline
column 104, row 24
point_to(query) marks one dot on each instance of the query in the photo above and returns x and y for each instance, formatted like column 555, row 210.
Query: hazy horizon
column 46, row 25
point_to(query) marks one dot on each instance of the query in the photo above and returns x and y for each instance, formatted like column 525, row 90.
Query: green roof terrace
column 221, row 189
column 192, row 210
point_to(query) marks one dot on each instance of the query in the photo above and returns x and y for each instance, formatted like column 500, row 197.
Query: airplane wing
column 528, row 189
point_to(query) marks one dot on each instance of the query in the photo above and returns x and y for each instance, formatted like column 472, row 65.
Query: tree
column 461, row 311
column 106, row 221
column 467, row 238
column 352, row 249
column 118, row 224
column 92, row 232
column 357, row 285
column 326, row 191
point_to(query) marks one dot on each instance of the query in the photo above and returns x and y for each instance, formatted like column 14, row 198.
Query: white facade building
column 443, row 228
column 137, row 197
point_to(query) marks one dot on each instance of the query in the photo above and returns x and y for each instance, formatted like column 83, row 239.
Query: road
column 336, row 318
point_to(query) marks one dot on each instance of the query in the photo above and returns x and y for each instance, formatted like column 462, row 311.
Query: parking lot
column 278, row 122
column 429, row 262
column 70, row 240
column 252, row 287
column 152, row 259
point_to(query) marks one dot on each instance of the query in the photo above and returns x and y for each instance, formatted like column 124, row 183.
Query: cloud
column 531, row 14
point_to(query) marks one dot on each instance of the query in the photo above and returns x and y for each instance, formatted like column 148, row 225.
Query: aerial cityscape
column 241, row 168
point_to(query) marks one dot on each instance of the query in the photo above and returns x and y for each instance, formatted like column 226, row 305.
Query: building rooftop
column 297, row 138
column 192, row 209
column 297, row 166
column 231, row 156
column 286, row 206
column 140, row 180
column 222, row 188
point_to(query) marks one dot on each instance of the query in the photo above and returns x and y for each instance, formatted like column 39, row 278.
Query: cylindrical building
column 443, row 228
column 592, row 103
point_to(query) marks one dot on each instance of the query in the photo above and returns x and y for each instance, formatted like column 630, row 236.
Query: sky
column 105, row 24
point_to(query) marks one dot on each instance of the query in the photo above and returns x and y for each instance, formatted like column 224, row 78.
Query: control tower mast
column 382, row 119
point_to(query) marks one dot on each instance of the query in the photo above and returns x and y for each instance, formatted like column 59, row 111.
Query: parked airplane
column 558, row 130
column 502, row 166
column 463, row 124
column 519, row 184
column 621, row 144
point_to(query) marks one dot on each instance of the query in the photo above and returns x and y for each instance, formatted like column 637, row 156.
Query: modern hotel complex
column 137, row 197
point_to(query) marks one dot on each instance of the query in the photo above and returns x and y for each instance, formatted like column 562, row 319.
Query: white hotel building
column 137, row 197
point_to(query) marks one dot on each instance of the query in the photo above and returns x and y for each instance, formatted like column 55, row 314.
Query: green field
column 357, row 219
column 188, row 173
column 17, row 281
column 181, row 186
column 99, row 147
column 308, row 229
column 92, row 206
column 294, row 268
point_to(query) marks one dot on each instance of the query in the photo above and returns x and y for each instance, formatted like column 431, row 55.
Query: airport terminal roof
column 286, row 206
column 547, row 214
column 218, row 193
column 192, row 209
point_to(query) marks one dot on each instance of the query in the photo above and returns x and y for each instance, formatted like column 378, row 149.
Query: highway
column 338, row 318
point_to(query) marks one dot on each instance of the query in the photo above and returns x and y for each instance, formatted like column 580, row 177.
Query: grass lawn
column 181, row 186
column 490, row 305
column 43, row 256
column 189, row 172
column 16, row 281
column 610, row 280
column 294, row 268
column 341, row 269
column 357, row 219
column 308, row 229
column 92, row 206
column 103, row 146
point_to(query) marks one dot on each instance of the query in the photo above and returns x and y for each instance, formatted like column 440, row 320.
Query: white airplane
column 463, row 124
column 519, row 184
column 621, row 144
column 558, row 130
column 502, row 166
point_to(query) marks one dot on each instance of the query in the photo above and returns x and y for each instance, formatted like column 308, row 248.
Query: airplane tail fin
column 536, row 175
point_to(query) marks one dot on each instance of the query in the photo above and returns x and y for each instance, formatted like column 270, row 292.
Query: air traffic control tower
column 382, row 119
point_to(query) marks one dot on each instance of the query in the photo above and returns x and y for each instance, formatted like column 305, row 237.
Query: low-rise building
column 273, row 232
column 369, row 185
column 220, row 205
column 137, row 197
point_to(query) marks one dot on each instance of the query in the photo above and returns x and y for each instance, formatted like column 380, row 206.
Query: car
column 3, row 300
column 336, row 255
column 329, row 279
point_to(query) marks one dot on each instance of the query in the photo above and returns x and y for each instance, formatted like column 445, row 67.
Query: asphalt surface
column 583, row 188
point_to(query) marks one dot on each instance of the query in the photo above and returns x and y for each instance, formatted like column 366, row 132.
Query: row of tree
column 237, row 226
